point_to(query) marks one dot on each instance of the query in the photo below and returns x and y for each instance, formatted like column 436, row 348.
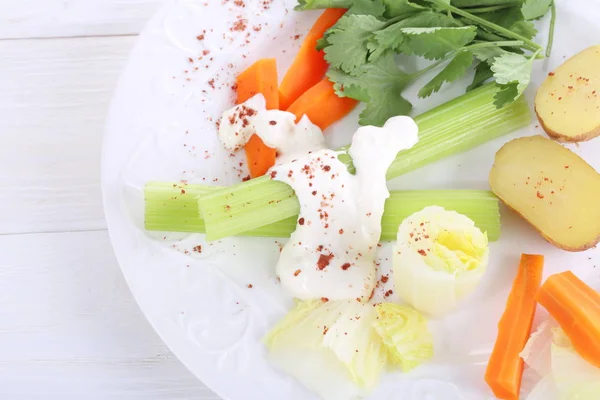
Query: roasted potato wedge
column 568, row 102
column 552, row 188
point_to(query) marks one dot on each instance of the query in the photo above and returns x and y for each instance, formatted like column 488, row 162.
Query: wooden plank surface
column 70, row 329
column 55, row 96
column 67, row 18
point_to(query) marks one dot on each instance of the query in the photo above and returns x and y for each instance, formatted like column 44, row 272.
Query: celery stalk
column 456, row 126
column 174, row 207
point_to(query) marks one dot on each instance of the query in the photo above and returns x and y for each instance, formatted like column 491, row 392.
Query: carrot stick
column 321, row 105
column 260, row 77
column 576, row 308
column 309, row 65
column 505, row 367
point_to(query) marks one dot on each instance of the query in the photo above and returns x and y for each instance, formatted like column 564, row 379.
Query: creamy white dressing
column 332, row 252
column 277, row 129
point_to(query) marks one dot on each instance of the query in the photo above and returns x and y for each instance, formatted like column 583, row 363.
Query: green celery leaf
column 513, row 73
column 368, row 7
column 525, row 29
column 488, row 53
column 397, row 8
column 435, row 43
column 508, row 94
column 506, row 18
column 453, row 71
column 348, row 41
column 320, row 4
column 534, row 9
column 427, row 19
column 379, row 84
column 483, row 72
column 322, row 43
column 483, row 3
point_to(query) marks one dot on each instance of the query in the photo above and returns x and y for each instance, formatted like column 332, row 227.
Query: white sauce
column 277, row 129
column 332, row 252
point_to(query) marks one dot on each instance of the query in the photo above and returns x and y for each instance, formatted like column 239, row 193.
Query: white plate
column 162, row 127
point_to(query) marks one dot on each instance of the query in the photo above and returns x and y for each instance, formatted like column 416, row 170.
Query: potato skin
column 550, row 187
column 567, row 103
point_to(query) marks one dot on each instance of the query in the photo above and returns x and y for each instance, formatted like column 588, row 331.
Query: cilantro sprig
column 493, row 36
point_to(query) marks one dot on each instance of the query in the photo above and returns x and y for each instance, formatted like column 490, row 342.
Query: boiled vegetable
column 451, row 128
column 260, row 77
column 174, row 207
column 405, row 335
column 309, row 65
column 568, row 102
column 576, row 308
column 565, row 374
column 321, row 105
column 331, row 347
column 552, row 188
column 439, row 259
column 505, row 367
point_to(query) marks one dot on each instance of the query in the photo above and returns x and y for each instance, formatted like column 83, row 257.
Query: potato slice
column 553, row 188
column 568, row 102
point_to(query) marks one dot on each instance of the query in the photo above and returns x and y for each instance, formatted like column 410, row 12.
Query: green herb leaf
column 397, row 8
column 390, row 38
column 483, row 3
column 534, row 9
column 453, row 71
column 348, row 41
column 513, row 73
column 379, row 84
column 320, row 4
column 435, row 43
column 483, row 72
column 525, row 29
column 507, row 94
column 368, row 7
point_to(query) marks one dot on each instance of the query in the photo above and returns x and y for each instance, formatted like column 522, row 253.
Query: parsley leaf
column 513, row 73
column 393, row 38
column 453, row 71
column 348, row 41
column 507, row 94
column 319, row 4
column 379, row 84
column 525, row 29
column 534, row 9
column 368, row 7
column 435, row 43
column 396, row 8
column 483, row 72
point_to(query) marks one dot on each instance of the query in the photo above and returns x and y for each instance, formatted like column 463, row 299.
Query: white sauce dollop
column 277, row 129
column 332, row 252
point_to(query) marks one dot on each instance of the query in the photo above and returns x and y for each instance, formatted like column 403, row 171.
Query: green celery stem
column 174, row 207
column 451, row 128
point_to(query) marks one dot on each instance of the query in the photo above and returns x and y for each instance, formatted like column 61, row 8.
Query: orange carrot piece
column 321, row 105
column 309, row 65
column 505, row 367
column 576, row 308
column 260, row 77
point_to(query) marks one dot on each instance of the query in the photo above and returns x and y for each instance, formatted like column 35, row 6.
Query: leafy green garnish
column 453, row 71
column 379, row 84
column 361, row 47
column 483, row 72
column 348, row 39
column 513, row 73
column 435, row 43
column 534, row 9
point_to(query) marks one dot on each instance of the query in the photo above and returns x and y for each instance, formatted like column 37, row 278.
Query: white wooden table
column 69, row 327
